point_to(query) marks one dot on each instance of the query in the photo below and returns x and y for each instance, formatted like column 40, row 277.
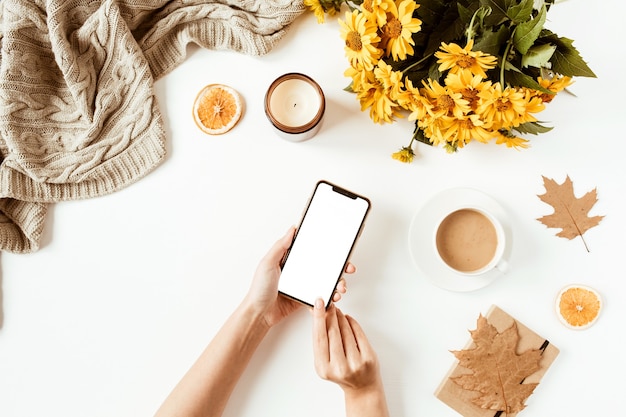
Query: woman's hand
column 263, row 295
column 344, row 355
column 342, row 352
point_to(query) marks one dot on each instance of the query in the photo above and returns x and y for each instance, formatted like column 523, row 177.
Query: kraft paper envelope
column 461, row 400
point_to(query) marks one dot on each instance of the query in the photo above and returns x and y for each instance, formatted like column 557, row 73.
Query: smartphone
column 330, row 226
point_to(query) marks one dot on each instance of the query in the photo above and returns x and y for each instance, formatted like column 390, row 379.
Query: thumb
column 277, row 251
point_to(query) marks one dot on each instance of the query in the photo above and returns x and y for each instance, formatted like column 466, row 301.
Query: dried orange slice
column 217, row 109
column 578, row 306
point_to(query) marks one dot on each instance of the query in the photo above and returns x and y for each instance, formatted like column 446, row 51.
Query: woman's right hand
column 344, row 355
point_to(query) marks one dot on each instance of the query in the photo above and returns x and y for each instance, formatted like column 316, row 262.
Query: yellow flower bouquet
column 464, row 70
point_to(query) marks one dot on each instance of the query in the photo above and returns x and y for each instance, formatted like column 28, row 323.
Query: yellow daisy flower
column 454, row 58
column 447, row 130
column 363, row 84
column 556, row 85
column 383, row 109
column 437, row 129
column 359, row 78
column 376, row 10
column 405, row 155
column 470, row 127
column 411, row 99
column 361, row 40
column 469, row 85
column 397, row 33
column 534, row 104
column 316, row 7
column 373, row 96
column 510, row 140
column 445, row 101
column 390, row 79
column 504, row 108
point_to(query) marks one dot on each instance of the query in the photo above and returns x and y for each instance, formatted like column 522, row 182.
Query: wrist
column 370, row 390
column 366, row 401
column 254, row 315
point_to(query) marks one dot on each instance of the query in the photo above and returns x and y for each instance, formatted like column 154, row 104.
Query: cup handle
column 502, row 266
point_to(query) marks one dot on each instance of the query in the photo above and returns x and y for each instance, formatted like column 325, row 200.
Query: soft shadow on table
column 337, row 114
column 47, row 232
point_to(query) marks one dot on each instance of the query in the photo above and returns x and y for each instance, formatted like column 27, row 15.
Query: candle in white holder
column 295, row 105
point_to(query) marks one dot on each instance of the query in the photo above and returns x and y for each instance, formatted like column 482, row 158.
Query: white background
column 128, row 289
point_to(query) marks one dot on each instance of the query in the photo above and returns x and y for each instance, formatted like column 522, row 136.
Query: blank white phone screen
column 323, row 244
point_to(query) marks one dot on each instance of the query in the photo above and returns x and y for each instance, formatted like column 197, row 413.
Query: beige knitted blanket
column 78, row 116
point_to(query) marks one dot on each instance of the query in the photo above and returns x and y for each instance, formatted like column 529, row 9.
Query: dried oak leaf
column 571, row 214
column 497, row 370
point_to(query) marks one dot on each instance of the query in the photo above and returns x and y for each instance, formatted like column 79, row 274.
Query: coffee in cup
column 470, row 241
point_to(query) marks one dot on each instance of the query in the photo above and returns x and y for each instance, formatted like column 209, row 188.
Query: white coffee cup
column 470, row 241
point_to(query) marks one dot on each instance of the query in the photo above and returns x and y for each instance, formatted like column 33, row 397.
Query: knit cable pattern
column 78, row 115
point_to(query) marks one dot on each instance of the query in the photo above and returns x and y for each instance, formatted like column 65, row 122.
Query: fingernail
column 319, row 304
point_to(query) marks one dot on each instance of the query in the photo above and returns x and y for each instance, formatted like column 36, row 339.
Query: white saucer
column 422, row 232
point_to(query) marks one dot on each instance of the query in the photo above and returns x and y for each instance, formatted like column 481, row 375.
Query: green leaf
column 538, row 56
column 430, row 11
column 449, row 28
column 490, row 42
column 464, row 13
column 527, row 33
column 419, row 136
column 498, row 11
column 566, row 59
column 533, row 128
column 433, row 72
column 521, row 12
column 515, row 77
column 417, row 76
column 571, row 64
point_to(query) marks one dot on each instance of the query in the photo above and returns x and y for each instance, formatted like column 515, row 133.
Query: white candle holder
column 295, row 105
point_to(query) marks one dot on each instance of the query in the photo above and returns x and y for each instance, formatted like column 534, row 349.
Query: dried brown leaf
column 571, row 214
column 497, row 370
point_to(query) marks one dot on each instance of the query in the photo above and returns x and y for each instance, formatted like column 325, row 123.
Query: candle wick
column 295, row 104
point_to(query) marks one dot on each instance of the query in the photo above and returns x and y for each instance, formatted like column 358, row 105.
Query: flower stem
column 469, row 32
column 481, row 13
column 505, row 57
column 421, row 61
column 414, row 136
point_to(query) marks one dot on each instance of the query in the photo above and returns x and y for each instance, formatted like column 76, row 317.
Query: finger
column 320, row 336
column 341, row 286
column 335, row 341
column 362, row 343
column 276, row 253
column 348, row 339
column 339, row 290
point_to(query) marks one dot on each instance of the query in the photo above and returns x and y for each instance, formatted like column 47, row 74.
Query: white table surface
column 128, row 289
